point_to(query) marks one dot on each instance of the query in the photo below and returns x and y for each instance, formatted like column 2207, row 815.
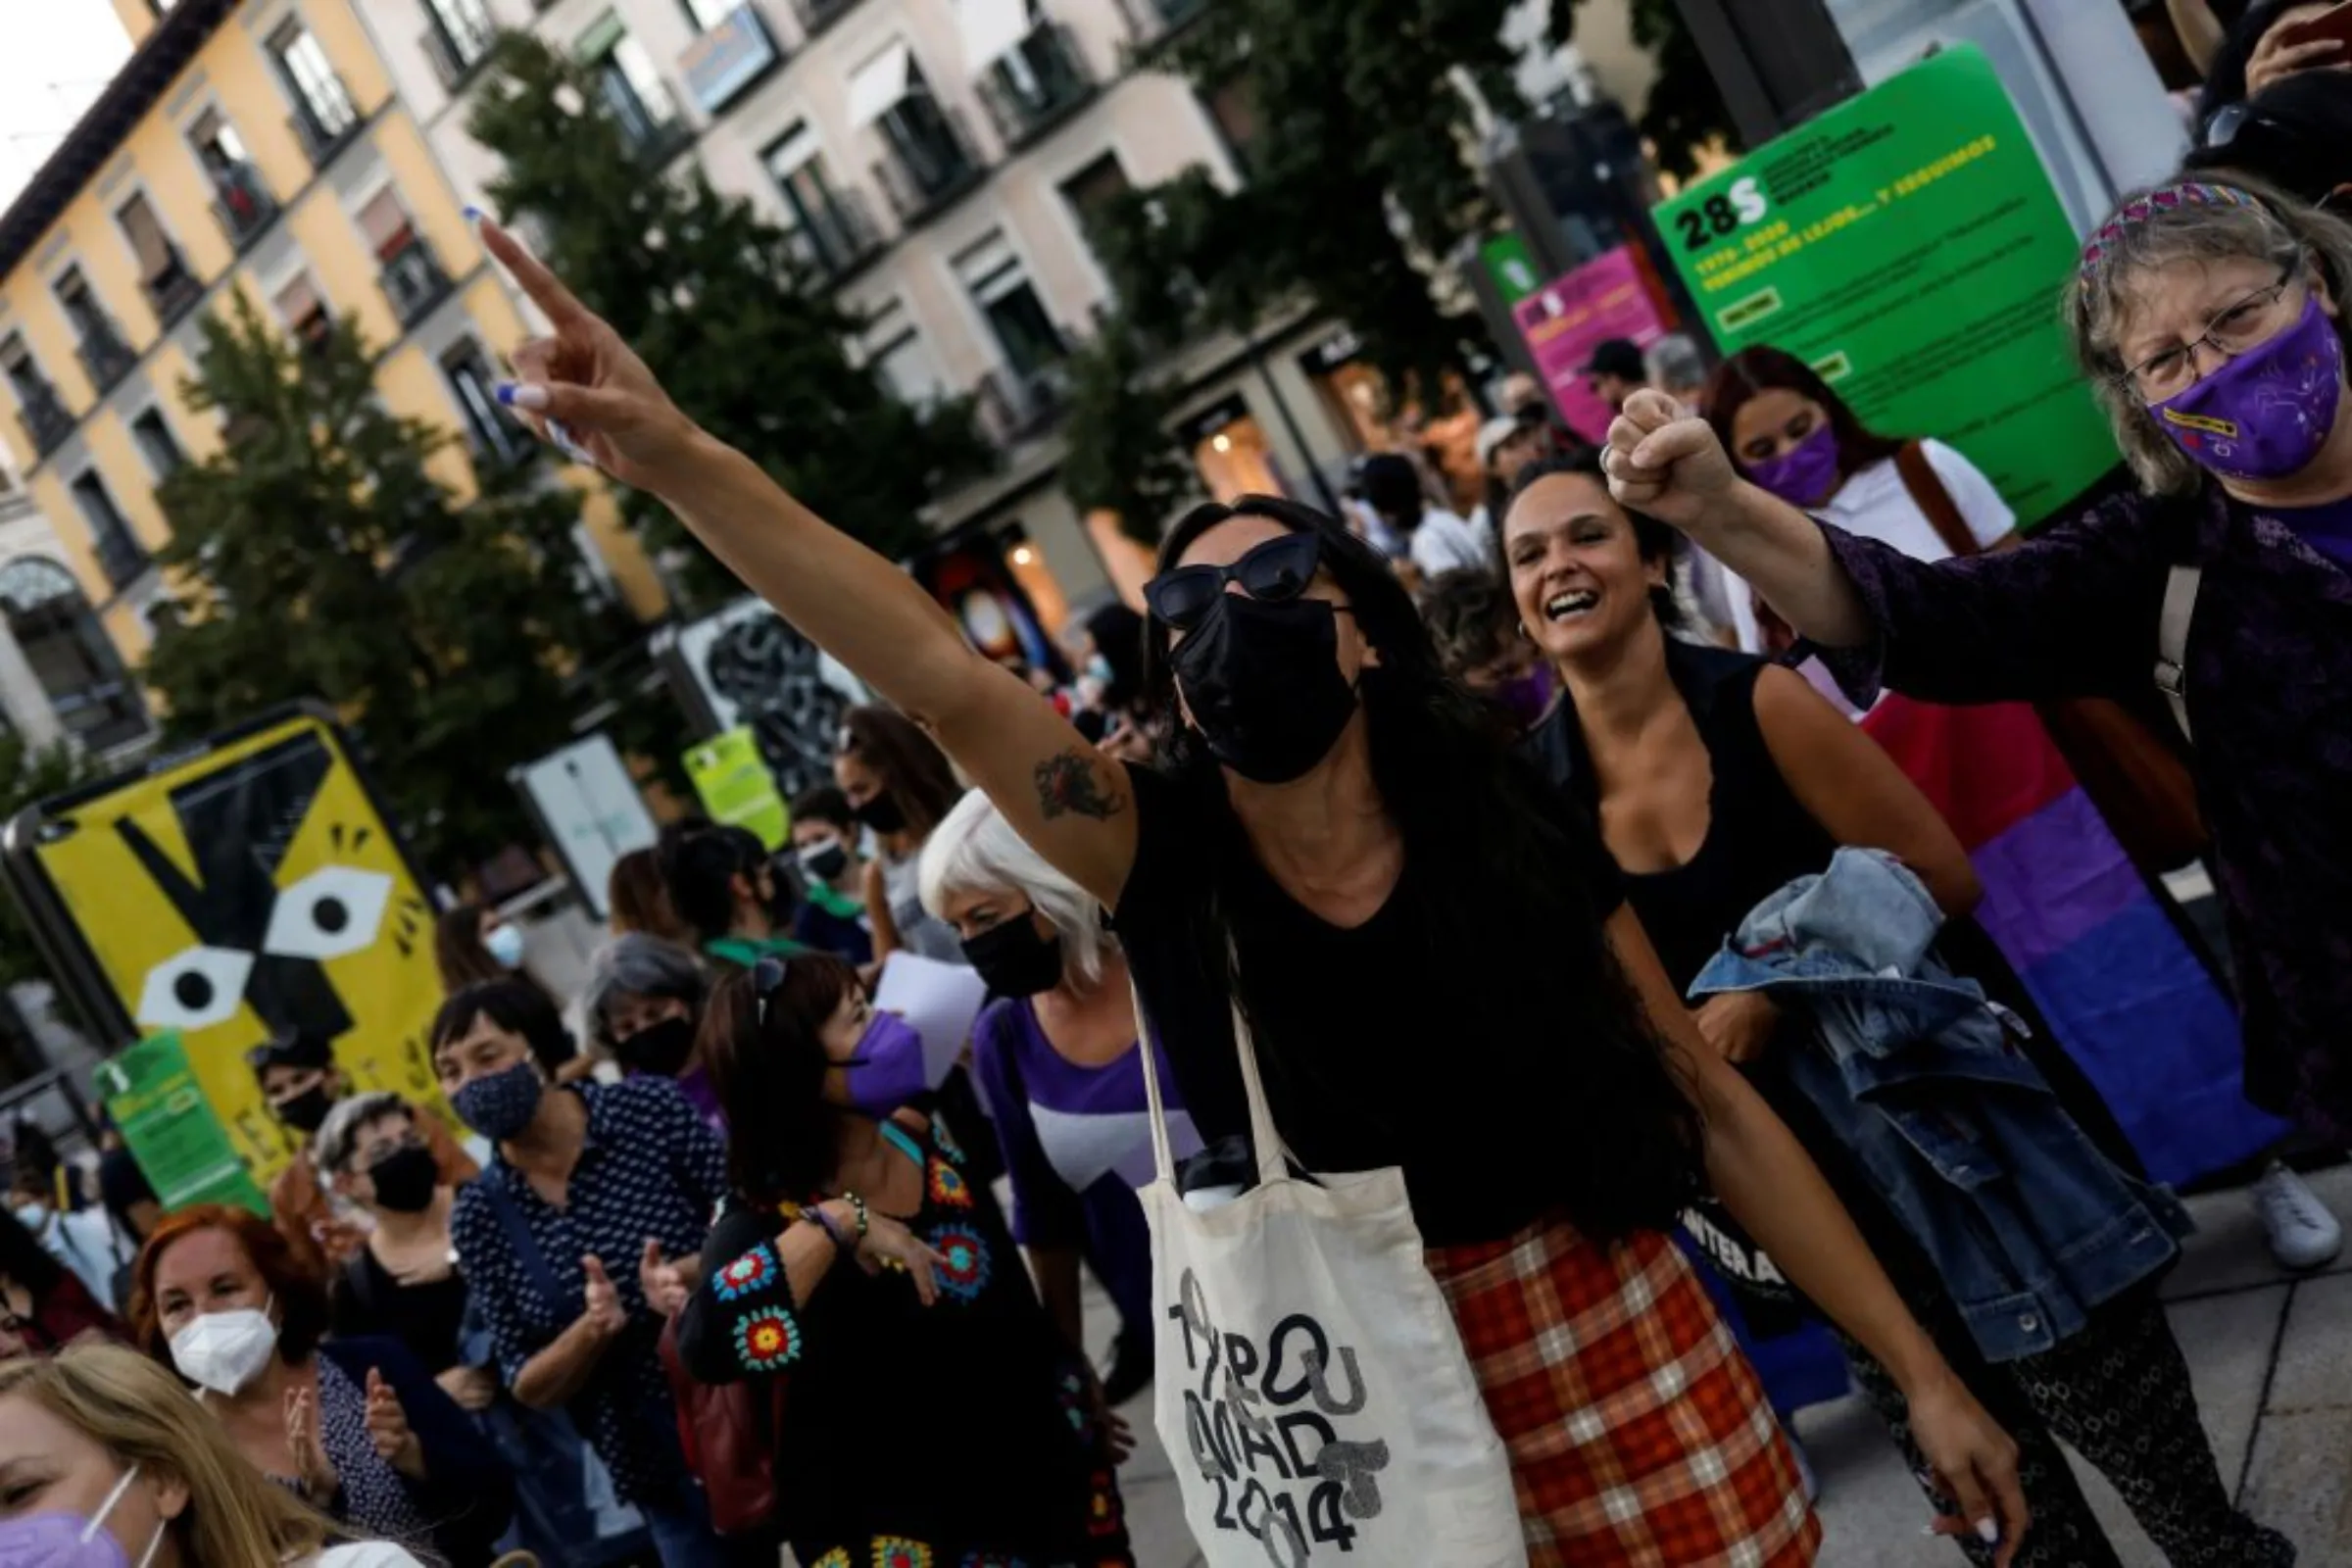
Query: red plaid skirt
column 1639, row 1434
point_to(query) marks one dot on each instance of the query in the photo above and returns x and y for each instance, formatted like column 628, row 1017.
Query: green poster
column 1510, row 266
column 732, row 779
column 1907, row 245
column 152, row 1094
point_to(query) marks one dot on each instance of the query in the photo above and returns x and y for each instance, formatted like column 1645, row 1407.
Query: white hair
column 974, row 849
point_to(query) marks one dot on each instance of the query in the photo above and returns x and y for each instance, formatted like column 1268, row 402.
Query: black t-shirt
column 427, row 1317
column 1399, row 1041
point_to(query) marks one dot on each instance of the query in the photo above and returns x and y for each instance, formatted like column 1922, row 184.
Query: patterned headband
column 2171, row 198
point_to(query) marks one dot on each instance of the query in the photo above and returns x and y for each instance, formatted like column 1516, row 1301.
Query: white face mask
column 223, row 1351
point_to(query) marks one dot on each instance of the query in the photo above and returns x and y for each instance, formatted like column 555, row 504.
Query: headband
column 2169, row 199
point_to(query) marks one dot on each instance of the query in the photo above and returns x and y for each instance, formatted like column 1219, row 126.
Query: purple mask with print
column 2265, row 414
column 886, row 1070
column 1805, row 475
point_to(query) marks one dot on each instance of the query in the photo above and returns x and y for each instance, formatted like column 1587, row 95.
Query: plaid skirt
column 1639, row 1434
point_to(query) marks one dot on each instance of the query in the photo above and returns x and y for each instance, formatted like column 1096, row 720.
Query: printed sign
column 1908, row 245
column 181, row 1148
column 248, row 887
column 1573, row 314
column 745, row 664
column 736, row 788
column 591, row 811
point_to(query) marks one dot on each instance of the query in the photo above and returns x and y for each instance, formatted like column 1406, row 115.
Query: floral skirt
column 1639, row 1434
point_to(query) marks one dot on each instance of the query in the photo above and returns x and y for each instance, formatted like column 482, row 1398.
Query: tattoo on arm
column 1070, row 784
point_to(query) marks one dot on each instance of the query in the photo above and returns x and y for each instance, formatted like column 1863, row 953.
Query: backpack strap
column 2180, row 587
column 1928, row 492
column 526, row 1245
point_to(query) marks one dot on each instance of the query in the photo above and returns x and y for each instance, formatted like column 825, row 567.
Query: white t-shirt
column 1875, row 504
column 1445, row 542
column 360, row 1554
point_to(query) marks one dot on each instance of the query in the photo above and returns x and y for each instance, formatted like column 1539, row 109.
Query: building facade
column 937, row 160
column 258, row 145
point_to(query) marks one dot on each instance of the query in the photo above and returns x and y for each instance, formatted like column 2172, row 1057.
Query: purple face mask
column 886, row 1070
column 1526, row 696
column 2265, row 414
column 1805, row 475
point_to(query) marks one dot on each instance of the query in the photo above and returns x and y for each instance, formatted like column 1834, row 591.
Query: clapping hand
column 312, row 1467
column 388, row 1428
column 664, row 1282
column 604, row 1312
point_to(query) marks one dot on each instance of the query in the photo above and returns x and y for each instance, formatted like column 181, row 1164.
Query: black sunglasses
column 1274, row 572
column 767, row 976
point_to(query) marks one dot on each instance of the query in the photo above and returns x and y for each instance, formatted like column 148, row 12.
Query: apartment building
column 937, row 160
column 249, row 144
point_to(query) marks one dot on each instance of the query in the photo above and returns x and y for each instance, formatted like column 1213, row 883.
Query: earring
column 1523, row 636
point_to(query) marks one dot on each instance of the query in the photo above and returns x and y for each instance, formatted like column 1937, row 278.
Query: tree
column 719, row 305
column 1122, row 457
column 29, row 775
column 1685, row 111
column 1358, row 175
column 314, row 556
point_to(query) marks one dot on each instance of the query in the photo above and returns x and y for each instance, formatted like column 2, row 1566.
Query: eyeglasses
column 2250, row 322
column 1274, row 572
column 767, row 975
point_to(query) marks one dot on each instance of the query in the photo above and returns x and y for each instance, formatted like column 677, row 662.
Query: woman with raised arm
column 1341, row 813
column 2210, row 319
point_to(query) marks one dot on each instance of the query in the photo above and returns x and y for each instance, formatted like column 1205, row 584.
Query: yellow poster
column 243, row 890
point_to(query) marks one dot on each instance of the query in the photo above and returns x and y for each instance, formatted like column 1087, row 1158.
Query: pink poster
column 1568, row 317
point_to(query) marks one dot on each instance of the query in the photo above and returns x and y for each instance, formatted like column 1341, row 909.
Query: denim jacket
column 2028, row 1224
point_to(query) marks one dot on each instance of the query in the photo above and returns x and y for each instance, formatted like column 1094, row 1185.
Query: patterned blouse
column 375, row 1499
column 953, row 1435
column 2269, row 681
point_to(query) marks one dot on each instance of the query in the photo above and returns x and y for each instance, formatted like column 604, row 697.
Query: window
column 323, row 110
column 25, row 377
column 828, row 228
column 465, row 29
column 120, row 555
column 413, row 279
column 472, row 384
column 49, row 619
column 303, row 310
column 171, row 288
column 81, row 307
column 241, row 200
column 1091, row 190
column 897, row 356
column 632, row 90
column 993, row 275
column 157, row 443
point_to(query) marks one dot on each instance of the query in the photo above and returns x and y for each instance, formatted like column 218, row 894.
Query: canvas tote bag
column 1313, row 1394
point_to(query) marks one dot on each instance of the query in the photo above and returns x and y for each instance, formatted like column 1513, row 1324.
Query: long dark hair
column 1765, row 369
column 907, row 761
column 700, row 861
column 458, row 949
column 769, row 1075
column 24, row 1260
column 1505, row 896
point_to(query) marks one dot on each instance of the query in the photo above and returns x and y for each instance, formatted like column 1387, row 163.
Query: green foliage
column 1121, row 454
column 1685, row 111
column 1357, row 172
column 29, row 774
column 316, row 557
column 714, row 298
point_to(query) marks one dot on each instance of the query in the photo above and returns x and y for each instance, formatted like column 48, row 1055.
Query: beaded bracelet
column 857, row 1204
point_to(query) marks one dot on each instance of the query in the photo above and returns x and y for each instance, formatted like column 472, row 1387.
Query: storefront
column 1230, row 451
column 1356, row 398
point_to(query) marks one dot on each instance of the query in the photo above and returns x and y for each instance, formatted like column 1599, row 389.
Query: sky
column 58, row 56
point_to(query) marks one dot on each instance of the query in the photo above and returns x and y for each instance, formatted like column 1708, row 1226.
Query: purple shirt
column 2073, row 614
column 2327, row 529
column 1077, row 1143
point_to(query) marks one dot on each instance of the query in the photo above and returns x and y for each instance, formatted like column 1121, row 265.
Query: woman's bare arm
column 1067, row 800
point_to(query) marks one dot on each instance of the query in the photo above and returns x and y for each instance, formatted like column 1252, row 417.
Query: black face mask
column 660, row 1049
column 1263, row 684
column 1015, row 959
column 826, row 861
column 405, row 1179
column 882, row 813
column 306, row 1111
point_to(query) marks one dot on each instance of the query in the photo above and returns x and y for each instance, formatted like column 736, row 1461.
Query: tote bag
column 1313, row 1393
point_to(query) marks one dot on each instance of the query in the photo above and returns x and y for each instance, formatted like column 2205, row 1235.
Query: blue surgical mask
column 504, row 946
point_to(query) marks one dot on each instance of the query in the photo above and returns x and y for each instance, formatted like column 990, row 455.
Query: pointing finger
column 546, row 291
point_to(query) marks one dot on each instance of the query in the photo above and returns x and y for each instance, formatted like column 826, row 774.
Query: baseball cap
column 1494, row 434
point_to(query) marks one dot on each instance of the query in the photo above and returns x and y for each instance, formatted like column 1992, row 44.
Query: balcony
column 413, row 282
column 457, row 41
column 244, row 205
column 325, row 129
column 1037, row 86
column 1152, row 21
column 1015, row 408
column 104, row 355
column 172, row 292
column 723, row 63
column 120, row 555
column 44, row 419
column 654, row 132
column 928, row 168
column 816, row 15
column 837, row 237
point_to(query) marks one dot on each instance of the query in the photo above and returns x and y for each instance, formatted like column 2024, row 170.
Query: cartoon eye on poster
column 229, row 893
column 746, row 666
column 994, row 611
